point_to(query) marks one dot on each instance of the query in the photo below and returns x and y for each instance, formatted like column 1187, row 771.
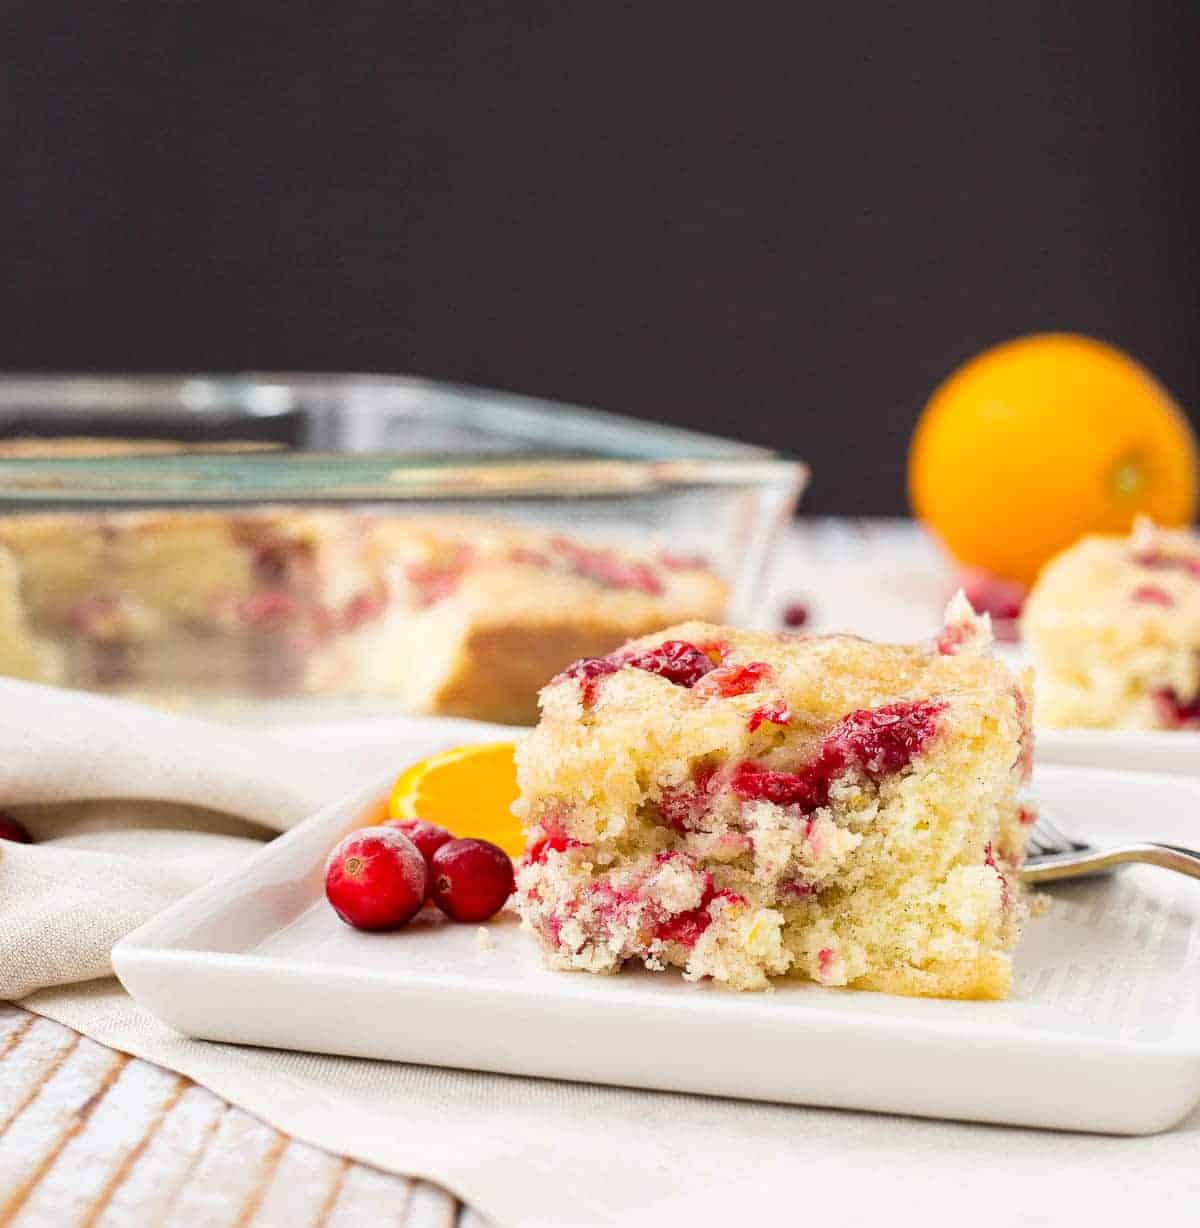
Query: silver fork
column 1051, row 854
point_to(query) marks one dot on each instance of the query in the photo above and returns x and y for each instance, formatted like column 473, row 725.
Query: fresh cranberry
column 428, row 837
column 675, row 660
column 1152, row 594
column 730, row 680
column 988, row 594
column 796, row 614
column 1026, row 815
column 777, row 714
column 589, row 671
column 471, row 879
column 376, row 879
column 10, row 829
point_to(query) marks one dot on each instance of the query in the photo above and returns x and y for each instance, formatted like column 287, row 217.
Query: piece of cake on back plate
column 746, row 805
column 1114, row 627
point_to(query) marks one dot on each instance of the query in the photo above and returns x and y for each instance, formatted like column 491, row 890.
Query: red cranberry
column 268, row 608
column 989, row 859
column 879, row 741
column 589, row 671
column 684, row 928
column 605, row 568
column 682, row 807
column 535, row 854
column 753, row 783
column 682, row 562
column 777, row 714
column 1152, row 594
column 882, row 740
column 675, row 660
column 471, row 879
column 428, row 837
column 796, row 614
column 1176, row 713
column 1168, row 562
column 376, row 879
column 989, row 594
column 730, row 680
column 10, row 829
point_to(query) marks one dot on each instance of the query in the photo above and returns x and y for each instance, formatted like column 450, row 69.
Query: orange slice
column 468, row 790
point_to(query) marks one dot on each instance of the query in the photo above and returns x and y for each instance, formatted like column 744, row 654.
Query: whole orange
column 1039, row 440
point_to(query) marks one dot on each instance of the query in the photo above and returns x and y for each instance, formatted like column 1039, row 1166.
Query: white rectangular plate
column 1101, row 1032
column 1139, row 750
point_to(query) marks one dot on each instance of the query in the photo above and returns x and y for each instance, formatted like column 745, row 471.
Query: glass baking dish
column 372, row 539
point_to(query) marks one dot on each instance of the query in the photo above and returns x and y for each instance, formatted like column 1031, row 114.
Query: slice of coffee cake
column 1114, row 627
column 745, row 805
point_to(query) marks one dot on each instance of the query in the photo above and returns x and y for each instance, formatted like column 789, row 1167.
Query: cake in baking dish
column 458, row 616
column 1114, row 627
column 746, row 805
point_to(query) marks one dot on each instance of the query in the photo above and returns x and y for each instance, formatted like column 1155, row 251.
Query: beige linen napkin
column 134, row 807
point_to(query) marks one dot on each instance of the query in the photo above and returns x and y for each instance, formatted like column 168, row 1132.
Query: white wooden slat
column 469, row 1218
column 154, row 1179
column 39, row 1051
column 92, row 1162
column 305, row 1182
column 431, row 1207
column 62, row 1104
column 92, row 1139
column 369, row 1196
column 13, row 1024
column 231, row 1176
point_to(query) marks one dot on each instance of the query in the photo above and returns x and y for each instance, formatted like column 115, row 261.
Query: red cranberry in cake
column 1152, row 594
column 1175, row 713
column 459, row 616
column 375, row 879
column 869, row 836
column 589, row 672
column 675, row 660
column 774, row 714
column 730, row 680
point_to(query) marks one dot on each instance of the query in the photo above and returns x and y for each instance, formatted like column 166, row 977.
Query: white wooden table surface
column 92, row 1138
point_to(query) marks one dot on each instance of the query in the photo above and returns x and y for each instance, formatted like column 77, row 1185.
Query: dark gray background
column 783, row 223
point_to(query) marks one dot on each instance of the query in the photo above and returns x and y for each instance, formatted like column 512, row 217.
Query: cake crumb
column 484, row 939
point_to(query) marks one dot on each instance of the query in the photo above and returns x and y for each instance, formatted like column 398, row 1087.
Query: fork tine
column 1049, row 838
